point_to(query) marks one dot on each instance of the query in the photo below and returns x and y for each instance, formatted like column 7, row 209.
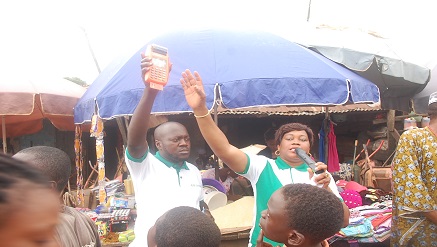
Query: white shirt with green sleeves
column 266, row 176
column 159, row 186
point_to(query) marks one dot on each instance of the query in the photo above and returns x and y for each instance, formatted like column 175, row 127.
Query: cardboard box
column 90, row 200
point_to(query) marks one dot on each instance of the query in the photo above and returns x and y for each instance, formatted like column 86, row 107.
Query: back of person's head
column 284, row 129
column 53, row 162
column 312, row 211
column 186, row 227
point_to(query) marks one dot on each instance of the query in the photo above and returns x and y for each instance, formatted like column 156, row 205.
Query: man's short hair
column 53, row 162
column 185, row 226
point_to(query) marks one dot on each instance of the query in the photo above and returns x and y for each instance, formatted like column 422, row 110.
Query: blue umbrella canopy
column 249, row 68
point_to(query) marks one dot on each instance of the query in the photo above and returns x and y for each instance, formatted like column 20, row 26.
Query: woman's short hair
column 284, row 129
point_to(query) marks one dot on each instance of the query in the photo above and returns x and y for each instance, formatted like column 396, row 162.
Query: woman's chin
column 292, row 158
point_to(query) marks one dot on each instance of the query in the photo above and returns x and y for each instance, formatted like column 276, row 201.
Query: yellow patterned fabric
column 414, row 189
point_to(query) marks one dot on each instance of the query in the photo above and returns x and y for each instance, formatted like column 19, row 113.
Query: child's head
column 28, row 206
column 184, row 227
column 301, row 214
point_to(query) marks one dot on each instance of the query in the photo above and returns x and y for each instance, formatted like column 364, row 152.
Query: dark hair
column 432, row 109
column 284, row 129
column 269, row 134
column 150, row 137
column 186, row 227
column 53, row 162
column 314, row 212
column 16, row 177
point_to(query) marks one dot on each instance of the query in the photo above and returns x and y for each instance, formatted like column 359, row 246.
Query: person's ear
column 158, row 144
column 151, row 237
column 295, row 238
column 53, row 185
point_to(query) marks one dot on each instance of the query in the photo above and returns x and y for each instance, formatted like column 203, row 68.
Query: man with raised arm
column 164, row 180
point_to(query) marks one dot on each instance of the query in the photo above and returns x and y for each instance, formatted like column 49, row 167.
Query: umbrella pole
column 327, row 129
column 5, row 147
column 216, row 103
column 353, row 160
column 215, row 115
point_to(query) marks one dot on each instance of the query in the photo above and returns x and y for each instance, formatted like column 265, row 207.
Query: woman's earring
column 277, row 152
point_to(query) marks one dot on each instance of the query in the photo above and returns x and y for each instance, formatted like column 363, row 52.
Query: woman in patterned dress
column 414, row 165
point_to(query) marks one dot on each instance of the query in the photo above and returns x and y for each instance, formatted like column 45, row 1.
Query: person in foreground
column 75, row 229
column 184, row 227
column 414, row 166
column 28, row 206
column 164, row 180
column 266, row 175
column 301, row 215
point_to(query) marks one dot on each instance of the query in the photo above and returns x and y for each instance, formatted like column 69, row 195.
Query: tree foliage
column 77, row 80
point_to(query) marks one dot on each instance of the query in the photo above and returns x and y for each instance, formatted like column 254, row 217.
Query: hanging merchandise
column 97, row 132
column 96, row 127
column 322, row 143
column 333, row 161
column 79, row 163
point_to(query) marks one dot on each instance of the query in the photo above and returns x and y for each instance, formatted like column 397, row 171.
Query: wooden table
column 237, row 239
column 124, row 244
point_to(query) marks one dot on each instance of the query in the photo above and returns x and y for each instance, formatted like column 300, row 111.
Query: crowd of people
column 294, row 205
column 48, row 224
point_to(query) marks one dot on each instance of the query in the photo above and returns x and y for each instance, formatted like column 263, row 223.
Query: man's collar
column 171, row 164
column 282, row 165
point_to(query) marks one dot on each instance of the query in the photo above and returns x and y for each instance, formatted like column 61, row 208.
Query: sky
column 52, row 39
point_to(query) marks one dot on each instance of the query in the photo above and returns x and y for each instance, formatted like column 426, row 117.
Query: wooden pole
column 5, row 146
column 122, row 129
